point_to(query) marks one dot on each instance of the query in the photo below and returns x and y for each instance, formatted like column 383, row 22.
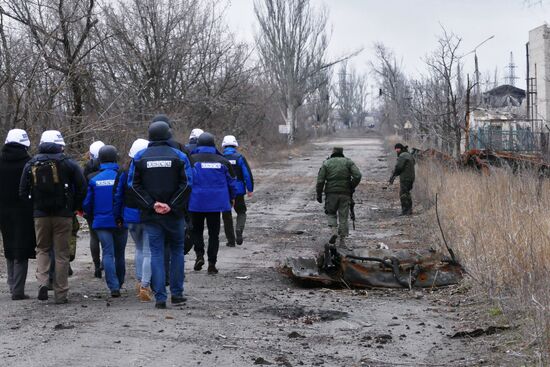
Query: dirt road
column 260, row 317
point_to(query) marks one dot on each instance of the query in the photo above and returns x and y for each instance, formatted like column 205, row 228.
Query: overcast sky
column 411, row 27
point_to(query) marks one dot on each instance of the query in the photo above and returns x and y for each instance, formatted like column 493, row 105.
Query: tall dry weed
column 499, row 225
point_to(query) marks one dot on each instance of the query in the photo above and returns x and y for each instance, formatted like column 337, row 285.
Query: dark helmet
column 108, row 154
column 162, row 117
column 159, row 131
column 206, row 140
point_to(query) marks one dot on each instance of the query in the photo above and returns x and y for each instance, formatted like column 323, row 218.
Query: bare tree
column 292, row 43
column 351, row 95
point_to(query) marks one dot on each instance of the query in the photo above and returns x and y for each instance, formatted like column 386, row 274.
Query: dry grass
column 500, row 227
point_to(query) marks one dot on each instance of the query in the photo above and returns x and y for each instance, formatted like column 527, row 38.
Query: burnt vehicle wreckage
column 377, row 268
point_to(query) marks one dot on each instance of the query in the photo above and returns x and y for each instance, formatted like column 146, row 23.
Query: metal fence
column 520, row 140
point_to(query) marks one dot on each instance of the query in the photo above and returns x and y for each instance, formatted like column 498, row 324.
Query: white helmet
column 95, row 147
column 229, row 140
column 195, row 133
column 137, row 146
column 52, row 136
column 18, row 136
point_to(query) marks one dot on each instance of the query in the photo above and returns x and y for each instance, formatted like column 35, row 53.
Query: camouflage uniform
column 337, row 178
column 404, row 168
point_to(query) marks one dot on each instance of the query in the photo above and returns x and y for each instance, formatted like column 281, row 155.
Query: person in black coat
column 16, row 219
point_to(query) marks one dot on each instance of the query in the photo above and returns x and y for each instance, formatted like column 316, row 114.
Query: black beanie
column 400, row 146
column 162, row 117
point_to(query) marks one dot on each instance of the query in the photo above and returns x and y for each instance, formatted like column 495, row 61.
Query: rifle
column 352, row 211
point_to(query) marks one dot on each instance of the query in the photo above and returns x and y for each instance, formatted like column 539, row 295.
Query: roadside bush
column 499, row 225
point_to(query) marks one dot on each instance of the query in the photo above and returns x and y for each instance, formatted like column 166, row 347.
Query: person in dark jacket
column 90, row 169
column 244, row 185
column 56, row 185
column 179, row 146
column 108, row 223
column 16, row 220
column 213, row 193
column 160, row 178
column 125, row 204
column 404, row 168
column 338, row 177
column 193, row 137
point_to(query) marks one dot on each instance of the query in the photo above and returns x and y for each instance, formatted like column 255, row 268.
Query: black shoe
column 199, row 263
column 19, row 297
column 176, row 300
column 115, row 294
column 239, row 237
column 61, row 301
column 230, row 244
column 43, row 293
column 70, row 270
column 160, row 305
column 212, row 268
column 97, row 272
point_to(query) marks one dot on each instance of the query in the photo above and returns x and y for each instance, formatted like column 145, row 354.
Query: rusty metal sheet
column 375, row 269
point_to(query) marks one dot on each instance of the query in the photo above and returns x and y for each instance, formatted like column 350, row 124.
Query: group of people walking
column 163, row 196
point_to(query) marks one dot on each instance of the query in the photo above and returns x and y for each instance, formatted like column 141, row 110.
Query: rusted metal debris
column 483, row 159
column 374, row 269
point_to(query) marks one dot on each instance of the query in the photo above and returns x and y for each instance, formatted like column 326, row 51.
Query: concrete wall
column 539, row 56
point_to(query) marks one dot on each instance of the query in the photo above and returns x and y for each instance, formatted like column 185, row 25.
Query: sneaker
column 145, row 294
column 230, row 244
column 239, row 237
column 212, row 268
column 115, row 294
column 19, row 297
column 43, row 293
column 160, row 305
column 61, row 301
column 176, row 300
column 199, row 262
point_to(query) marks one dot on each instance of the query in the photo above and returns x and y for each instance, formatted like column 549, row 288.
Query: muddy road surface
column 249, row 314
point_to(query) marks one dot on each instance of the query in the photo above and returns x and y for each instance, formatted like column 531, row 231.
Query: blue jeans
column 142, row 259
column 169, row 230
column 113, row 244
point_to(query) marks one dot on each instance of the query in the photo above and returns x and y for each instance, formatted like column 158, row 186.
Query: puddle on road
column 296, row 312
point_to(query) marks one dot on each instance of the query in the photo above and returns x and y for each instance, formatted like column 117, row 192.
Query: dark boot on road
column 199, row 262
column 97, row 271
column 160, row 305
column 239, row 237
column 212, row 268
column 43, row 293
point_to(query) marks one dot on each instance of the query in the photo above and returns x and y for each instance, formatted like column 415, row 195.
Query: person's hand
column 249, row 194
column 119, row 222
column 80, row 213
column 161, row 208
column 320, row 199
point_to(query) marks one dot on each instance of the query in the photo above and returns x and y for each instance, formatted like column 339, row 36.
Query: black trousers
column 213, row 223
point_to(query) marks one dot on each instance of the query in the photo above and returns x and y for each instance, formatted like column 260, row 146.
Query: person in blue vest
column 108, row 224
column 213, row 193
column 125, row 204
column 161, row 178
column 193, row 138
column 244, row 185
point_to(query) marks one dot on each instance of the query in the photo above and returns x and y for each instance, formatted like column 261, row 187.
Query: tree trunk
column 290, row 120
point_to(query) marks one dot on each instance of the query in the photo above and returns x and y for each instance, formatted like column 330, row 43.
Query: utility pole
column 467, row 124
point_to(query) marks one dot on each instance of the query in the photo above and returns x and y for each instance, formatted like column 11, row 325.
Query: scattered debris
column 246, row 277
column 295, row 334
column 261, row 361
column 383, row 268
column 490, row 330
column 63, row 327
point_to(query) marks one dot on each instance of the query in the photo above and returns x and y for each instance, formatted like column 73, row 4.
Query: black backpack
column 49, row 188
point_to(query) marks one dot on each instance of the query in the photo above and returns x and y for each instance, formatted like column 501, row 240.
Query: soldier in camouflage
column 337, row 178
column 404, row 168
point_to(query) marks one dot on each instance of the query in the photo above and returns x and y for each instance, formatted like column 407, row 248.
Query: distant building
column 505, row 97
column 538, row 80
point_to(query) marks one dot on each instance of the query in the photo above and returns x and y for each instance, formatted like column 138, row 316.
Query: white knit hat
column 18, row 136
column 95, row 147
column 229, row 140
column 138, row 146
column 52, row 136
